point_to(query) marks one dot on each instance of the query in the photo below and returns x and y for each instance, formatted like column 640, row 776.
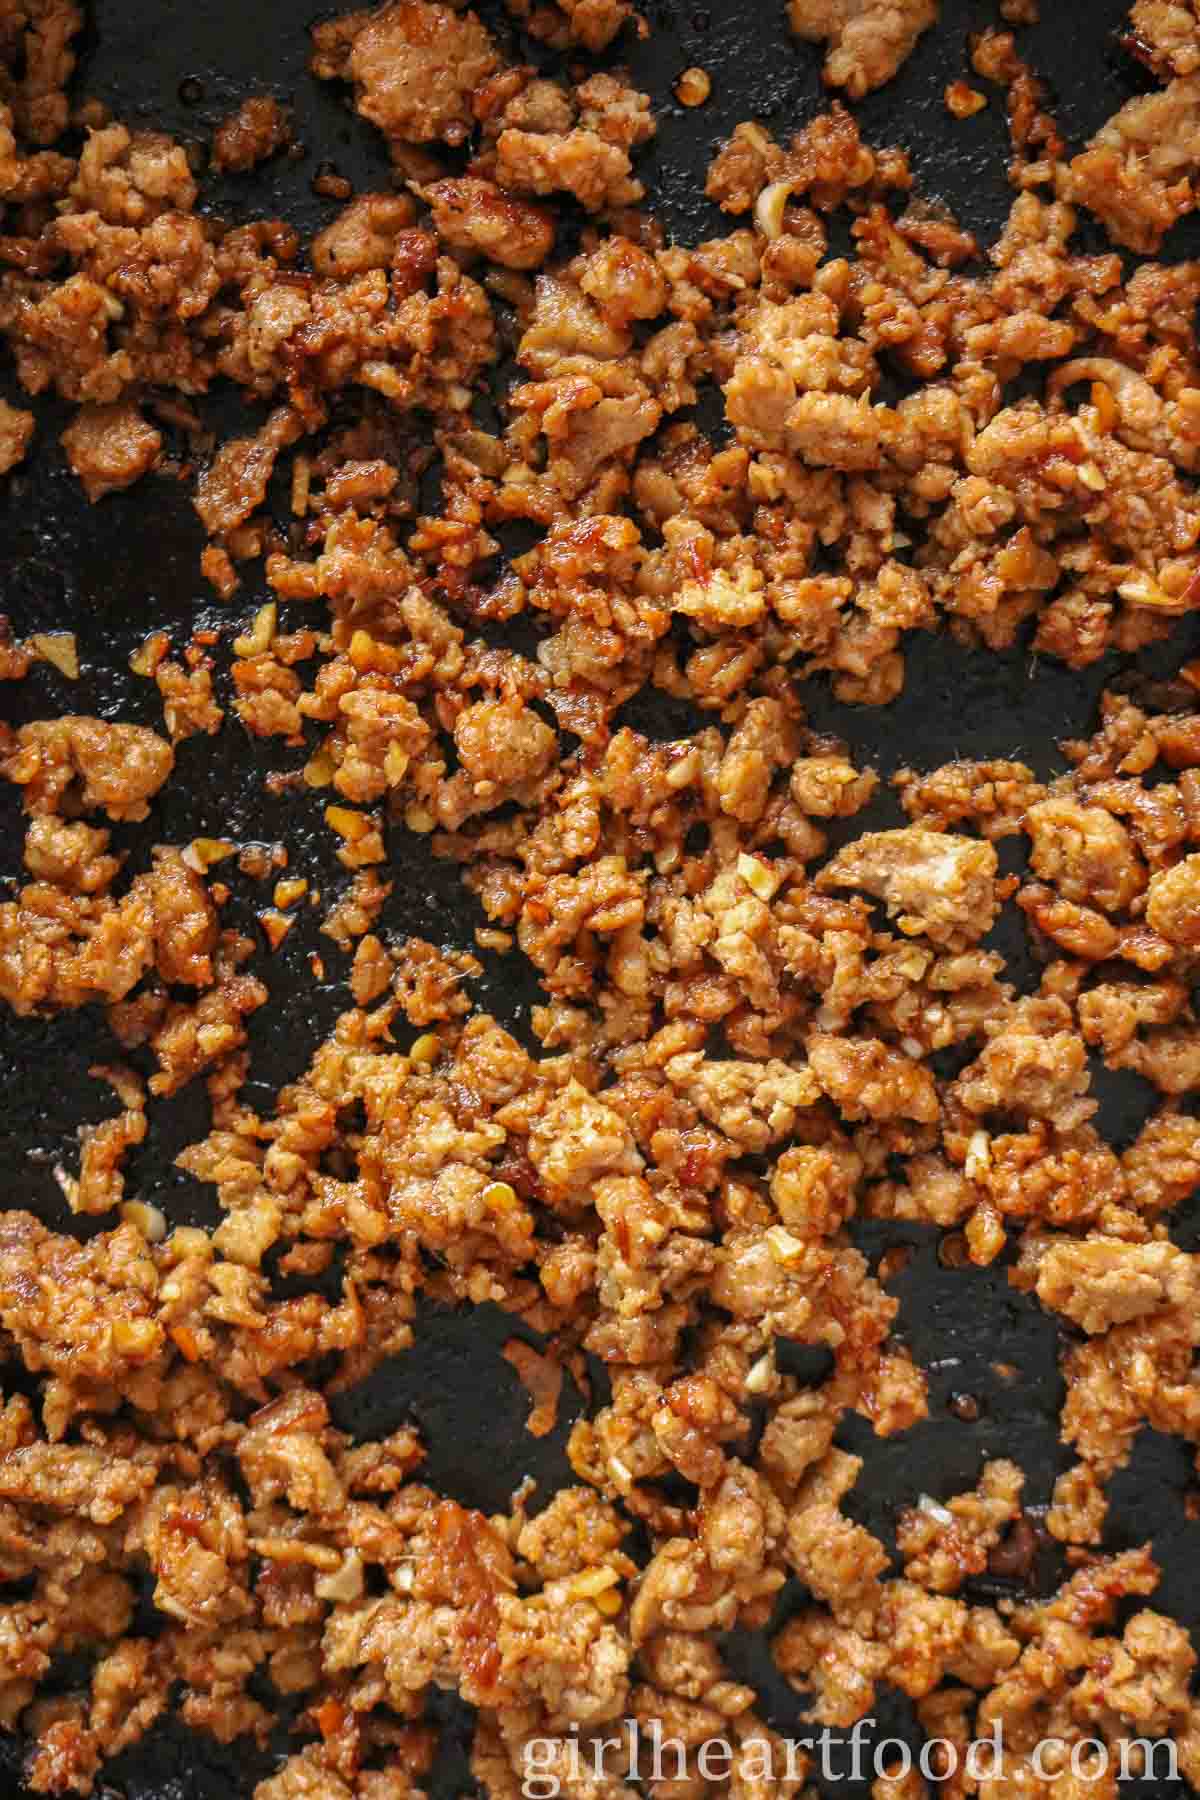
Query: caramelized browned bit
column 1013, row 1558
column 259, row 128
column 952, row 1251
column 330, row 184
column 894, row 1262
column 964, row 102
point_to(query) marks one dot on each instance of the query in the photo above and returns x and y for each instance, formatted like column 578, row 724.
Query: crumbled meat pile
column 739, row 1024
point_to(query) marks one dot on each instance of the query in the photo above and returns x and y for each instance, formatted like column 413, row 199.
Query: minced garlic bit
column 348, row 823
column 275, row 926
column 693, row 87
column 758, row 876
column 146, row 658
column 345, row 1584
column 59, row 649
column 150, row 1220
column 499, row 1196
column 770, row 207
column 1141, row 589
column 600, row 1586
column 257, row 641
column 963, row 101
column 301, row 481
column 137, row 1338
column 979, row 1155
column 186, row 1342
column 593, row 1581
column 203, row 852
column 367, row 652
column 784, row 1246
column 289, row 890
column 489, row 939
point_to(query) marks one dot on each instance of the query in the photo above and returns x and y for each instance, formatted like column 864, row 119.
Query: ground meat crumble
column 742, row 998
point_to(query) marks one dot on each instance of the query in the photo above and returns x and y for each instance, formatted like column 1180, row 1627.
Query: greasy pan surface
column 111, row 572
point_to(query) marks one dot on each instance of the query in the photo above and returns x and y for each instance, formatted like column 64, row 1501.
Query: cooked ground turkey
column 742, row 997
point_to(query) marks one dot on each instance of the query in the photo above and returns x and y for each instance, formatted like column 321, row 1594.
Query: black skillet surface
column 113, row 572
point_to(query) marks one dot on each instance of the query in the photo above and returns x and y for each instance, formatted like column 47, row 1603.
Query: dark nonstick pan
column 111, row 573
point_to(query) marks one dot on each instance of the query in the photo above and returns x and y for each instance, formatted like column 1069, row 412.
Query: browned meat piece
column 1086, row 853
column 579, row 162
column 1138, row 173
column 416, row 66
column 868, row 39
column 1173, row 903
column 185, row 920
column 478, row 216
column 933, row 885
column 1034, row 1064
column 236, row 482
column 110, row 447
column 362, row 237
column 1103, row 1282
column 593, row 24
column 86, row 765
column 1165, row 36
column 868, row 1079
column 16, row 434
column 503, row 743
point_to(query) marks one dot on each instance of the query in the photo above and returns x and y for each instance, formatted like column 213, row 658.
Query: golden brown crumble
column 737, row 1022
